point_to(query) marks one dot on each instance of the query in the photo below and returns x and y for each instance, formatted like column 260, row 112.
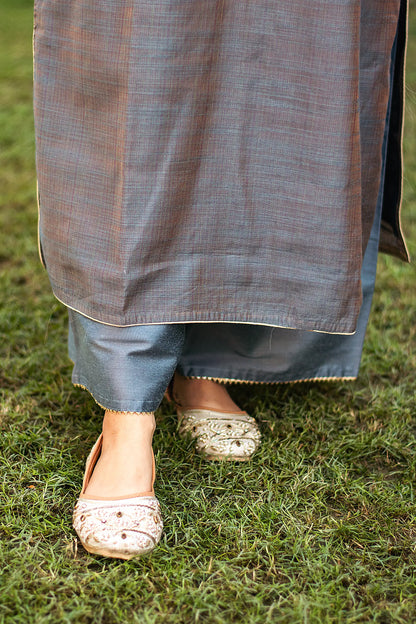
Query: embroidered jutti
column 216, row 161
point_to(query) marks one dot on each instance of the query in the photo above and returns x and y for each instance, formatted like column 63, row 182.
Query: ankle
column 128, row 427
column 125, row 464
column 202, row 394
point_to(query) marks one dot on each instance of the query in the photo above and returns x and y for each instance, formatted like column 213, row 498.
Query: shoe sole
column 114, row 555
column 224, row 457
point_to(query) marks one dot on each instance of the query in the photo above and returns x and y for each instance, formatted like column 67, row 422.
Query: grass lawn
column 319, row 528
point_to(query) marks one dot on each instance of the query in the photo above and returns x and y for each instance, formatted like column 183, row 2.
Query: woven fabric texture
column 210, row 160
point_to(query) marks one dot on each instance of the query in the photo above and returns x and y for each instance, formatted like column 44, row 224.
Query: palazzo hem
column 221, row 380
column 227, row 380
column 112, row 409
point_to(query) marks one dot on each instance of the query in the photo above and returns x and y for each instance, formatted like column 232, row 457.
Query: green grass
column 319, row 528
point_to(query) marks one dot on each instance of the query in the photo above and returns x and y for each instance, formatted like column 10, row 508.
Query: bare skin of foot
column 202, row 394
column 125, row 465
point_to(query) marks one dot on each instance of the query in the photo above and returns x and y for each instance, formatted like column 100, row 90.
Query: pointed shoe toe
column 123, row 529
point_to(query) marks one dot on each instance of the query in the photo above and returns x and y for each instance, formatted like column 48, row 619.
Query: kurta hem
column 205, row 317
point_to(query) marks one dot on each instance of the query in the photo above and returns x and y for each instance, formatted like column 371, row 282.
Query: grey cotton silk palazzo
column 223, row 165
column 215, row 160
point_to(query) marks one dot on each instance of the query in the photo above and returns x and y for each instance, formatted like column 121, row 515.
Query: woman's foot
column 202, row 394
column 125, row 466
column 209, row 415
column 117, row 514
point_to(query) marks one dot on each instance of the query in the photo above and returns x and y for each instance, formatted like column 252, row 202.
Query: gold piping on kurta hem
column 243, row 381
column 41, row 258
column 108, row 409
column 40, row 252
column 403, row 87
column 315, row 331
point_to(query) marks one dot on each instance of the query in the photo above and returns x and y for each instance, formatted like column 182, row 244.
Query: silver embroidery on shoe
column 123, row 529
column 219, row 435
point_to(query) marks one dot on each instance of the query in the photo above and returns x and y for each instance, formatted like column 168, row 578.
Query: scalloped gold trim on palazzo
column 248, row 382
column 222, row 380
column 108, row 409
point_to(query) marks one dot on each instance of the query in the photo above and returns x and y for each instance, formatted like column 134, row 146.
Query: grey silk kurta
column 215, row 160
